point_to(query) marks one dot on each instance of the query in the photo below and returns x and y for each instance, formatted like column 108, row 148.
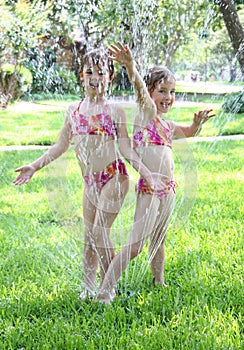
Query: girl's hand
column 26, row 173
column 202, row 116
column 157, row 182
column 121, row 54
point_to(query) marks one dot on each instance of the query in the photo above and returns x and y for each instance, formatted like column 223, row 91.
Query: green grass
column 27, row 127
column 221, row 124
column 213, row 88
column 41, row 257
column 40, row 123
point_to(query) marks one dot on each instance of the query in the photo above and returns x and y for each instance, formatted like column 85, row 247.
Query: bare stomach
column 94, row 152
column 158, row 159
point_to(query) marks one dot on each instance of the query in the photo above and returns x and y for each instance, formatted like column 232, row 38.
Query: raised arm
column 55, row 151
column 194, row 129
column 123, row 55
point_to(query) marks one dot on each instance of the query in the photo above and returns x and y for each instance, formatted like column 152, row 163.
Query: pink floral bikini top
column 99, row 124
column 157, row 132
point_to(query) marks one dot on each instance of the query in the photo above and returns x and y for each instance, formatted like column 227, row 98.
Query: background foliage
column 183, row 35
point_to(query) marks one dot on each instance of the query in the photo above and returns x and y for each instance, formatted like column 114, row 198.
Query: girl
column 153, row 143
column 94, row 124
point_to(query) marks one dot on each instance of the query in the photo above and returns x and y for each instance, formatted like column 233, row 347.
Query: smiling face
column 163, row 95
column 160, row 83
column 97, row 71
column 95, row 79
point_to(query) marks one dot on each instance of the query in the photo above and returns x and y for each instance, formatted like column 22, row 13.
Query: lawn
column 26, row 123
column 41, row 262
column 215, row 88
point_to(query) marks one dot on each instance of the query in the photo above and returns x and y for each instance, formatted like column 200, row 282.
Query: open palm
column 121, row 53
column 26, row 173
column 202, row 116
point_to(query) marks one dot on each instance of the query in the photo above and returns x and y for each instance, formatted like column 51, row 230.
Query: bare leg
column 109, row 205
column 101, row 236
column 158, row 237
column 90, row 258
column 100, row 211
column 157, row 265
column 144, row 220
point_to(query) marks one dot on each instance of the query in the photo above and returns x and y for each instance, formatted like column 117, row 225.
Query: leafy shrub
column 48, row 77
column 56, row 80
column 234, row 103
column 59, row 81
column 14, row 82
column 66, row 81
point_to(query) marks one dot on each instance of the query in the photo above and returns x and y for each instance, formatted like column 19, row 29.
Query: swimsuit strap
column 79, row 104
column 105, row 121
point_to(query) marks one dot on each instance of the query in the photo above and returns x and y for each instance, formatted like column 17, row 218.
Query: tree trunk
column 234, row 28
column 170, row 51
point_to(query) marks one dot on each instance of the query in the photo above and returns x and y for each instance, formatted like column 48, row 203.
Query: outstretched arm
column 27, row 171
column 122, row 54
column 194, row 129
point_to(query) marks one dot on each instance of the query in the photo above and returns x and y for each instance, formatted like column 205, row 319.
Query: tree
column 234, row 28
column 20, row 25
column 175, row 22
column 154, row 30
column 222, row 51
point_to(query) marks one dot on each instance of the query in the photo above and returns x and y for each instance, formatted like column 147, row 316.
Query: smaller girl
column 96, row 126
column 153, row 143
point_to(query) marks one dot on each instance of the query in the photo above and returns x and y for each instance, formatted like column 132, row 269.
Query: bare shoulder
column 71, row 108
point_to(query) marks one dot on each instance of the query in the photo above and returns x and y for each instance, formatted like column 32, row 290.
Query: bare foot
column 159, row 283
column 106, row 298
column 87, row 294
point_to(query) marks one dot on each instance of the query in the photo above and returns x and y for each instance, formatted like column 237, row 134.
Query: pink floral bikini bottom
column 144, row 188
column 100, row 178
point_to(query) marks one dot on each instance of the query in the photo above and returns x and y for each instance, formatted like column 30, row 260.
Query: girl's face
column 163, row 95
column 95, row 78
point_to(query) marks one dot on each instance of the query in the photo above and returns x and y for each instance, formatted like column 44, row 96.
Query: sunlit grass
column 201, row 87
column 41, row 264
column 27, row 125
column 40, row 124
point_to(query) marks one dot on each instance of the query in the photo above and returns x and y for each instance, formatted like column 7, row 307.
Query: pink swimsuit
column 157, row 132
column 144, row 187
column 100, row 124
column 100, row 178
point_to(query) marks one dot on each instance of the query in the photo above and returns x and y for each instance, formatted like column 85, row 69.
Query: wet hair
column 98, row 57
column 157, row 74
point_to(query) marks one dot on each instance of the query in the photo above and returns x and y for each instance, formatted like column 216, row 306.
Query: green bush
column 14, row 82
column 56, row 80
column 67, row 82
column 48, row 77
column 234, row 103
